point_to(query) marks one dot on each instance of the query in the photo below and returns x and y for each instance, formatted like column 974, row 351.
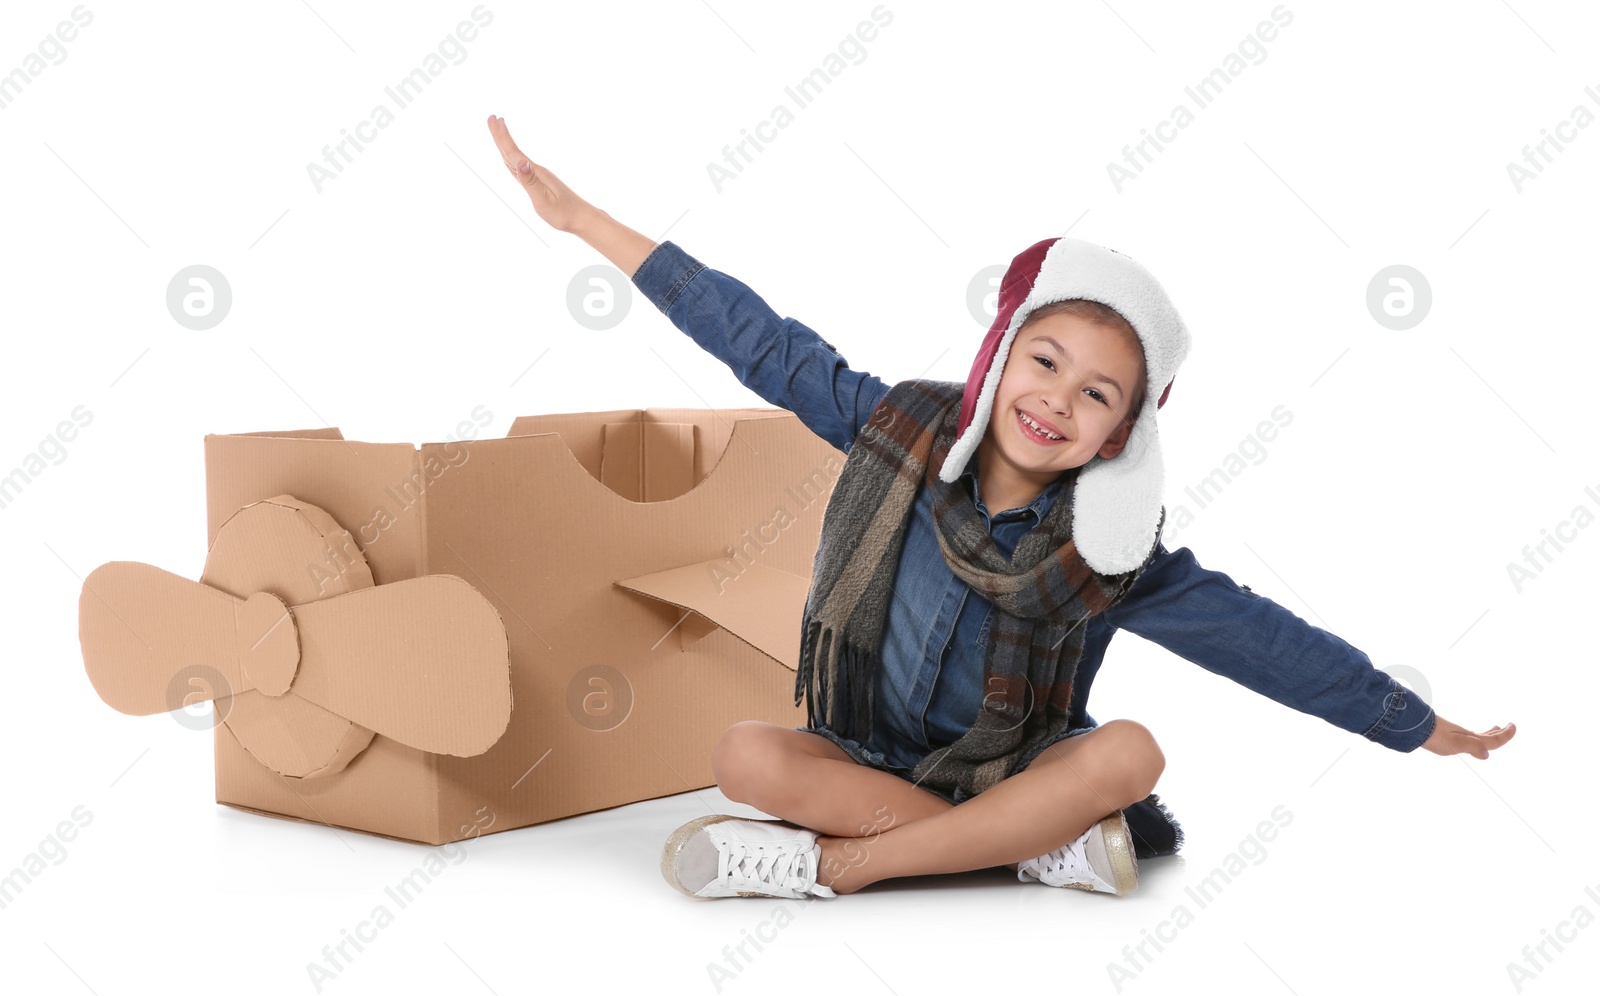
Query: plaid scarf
column 1045, row 592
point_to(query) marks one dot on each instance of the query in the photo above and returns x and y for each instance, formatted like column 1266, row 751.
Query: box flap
column 761, row 605
column 329, row 432
column 648, row 455
column 648, row 461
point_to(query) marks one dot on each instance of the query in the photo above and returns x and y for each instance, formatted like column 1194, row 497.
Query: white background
column 419, row 284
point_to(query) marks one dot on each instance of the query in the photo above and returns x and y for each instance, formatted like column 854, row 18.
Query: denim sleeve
column 1206, row 617
column 781, row 360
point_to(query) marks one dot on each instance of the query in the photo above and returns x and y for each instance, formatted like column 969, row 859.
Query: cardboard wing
column 740, row 604
column 306, row 666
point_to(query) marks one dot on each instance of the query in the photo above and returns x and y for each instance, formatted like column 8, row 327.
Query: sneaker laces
column 1067, row 863
column 770, row 868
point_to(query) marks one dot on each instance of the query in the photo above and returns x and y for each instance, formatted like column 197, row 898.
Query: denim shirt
column 930, row 685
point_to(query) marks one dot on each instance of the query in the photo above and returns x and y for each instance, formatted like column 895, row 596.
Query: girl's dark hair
column 1106, row 317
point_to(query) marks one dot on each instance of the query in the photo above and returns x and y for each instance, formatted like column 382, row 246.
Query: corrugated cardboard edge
column 741, row 604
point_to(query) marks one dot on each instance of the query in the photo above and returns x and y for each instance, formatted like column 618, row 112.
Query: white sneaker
column 1101, row 860
column 716, row 857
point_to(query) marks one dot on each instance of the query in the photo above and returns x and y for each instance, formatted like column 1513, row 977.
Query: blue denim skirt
column 1155, row 830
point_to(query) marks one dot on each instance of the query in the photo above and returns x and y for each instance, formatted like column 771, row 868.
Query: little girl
column 948, row 733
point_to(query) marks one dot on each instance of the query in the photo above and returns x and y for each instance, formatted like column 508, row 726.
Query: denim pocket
column 983, row 631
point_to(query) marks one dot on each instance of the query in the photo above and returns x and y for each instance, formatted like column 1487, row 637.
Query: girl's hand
column 560, row 208
column 1448, row 738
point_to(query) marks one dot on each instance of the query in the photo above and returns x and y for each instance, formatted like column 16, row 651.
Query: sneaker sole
column 1119, row 850
column 674, row 845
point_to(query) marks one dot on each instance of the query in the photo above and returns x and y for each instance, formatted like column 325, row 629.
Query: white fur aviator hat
column 1117, row 502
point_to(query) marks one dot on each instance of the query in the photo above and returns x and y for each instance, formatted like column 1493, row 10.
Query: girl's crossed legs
column 876, row 825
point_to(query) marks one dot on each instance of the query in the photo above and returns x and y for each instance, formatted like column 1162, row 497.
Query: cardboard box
column 467, row 637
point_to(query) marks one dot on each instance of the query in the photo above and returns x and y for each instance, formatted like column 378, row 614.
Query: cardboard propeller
column 302, row 655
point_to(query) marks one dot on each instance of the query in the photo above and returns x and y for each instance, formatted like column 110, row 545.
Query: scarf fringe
column 1177, row 830
column 1149, row 839
column 822, row 687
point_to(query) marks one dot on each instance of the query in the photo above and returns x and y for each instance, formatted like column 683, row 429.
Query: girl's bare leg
column 1064, row 791
column 808, row 780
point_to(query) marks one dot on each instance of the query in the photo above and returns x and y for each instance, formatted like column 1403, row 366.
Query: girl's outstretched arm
column 780, row 359
column 565, row 211
column 1207, row 617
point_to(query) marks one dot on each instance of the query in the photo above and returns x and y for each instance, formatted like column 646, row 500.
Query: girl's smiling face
column 1077, row 379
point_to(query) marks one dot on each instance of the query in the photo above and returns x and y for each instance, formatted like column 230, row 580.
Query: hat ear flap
column 1116, row 503
column 977, row 400
column 982, row 401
